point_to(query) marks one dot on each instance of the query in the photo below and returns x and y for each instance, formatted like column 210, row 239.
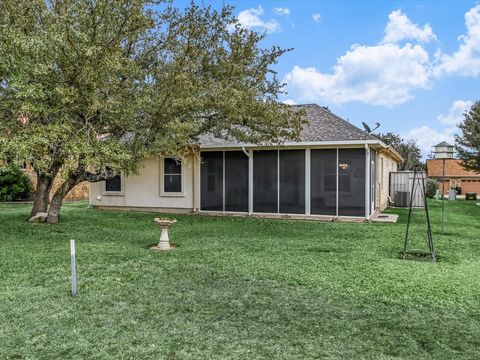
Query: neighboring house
column 335, row 170
column 456, row 177
column 79, row 192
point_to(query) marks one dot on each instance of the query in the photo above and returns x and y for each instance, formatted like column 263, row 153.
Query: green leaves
column 468, row 143
column 86, row 85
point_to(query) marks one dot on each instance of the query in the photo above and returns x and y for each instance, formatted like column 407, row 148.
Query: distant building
column 443, row 151
column 456, row 177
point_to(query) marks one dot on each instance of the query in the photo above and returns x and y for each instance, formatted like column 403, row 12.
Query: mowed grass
column 236, row 288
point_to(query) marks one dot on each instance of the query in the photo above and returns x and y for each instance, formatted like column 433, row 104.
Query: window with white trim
column 172, row 175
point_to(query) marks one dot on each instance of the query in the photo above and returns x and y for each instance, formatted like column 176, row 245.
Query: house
column 335, row 170
column 449, row 172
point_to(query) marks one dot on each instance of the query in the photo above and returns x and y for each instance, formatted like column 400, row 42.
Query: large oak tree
column 89, row 88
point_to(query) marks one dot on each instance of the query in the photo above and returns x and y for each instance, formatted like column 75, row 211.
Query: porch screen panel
column 211, row 179
column 265, row 181
column 236, row 181
column 292, row 181
column 351, row 182
column 323, row 182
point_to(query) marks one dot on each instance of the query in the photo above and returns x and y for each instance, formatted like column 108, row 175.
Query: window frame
column 164, row 193
column 105, row 192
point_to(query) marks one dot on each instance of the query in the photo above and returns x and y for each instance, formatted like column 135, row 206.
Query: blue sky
column 413, row 66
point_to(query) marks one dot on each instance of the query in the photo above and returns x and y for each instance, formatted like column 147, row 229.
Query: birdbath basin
column 164, row 243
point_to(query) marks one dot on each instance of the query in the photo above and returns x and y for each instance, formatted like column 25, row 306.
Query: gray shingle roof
column 443, row 144
column 323, row 126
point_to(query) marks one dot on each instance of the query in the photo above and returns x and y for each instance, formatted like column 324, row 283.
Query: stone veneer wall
column 79, row 192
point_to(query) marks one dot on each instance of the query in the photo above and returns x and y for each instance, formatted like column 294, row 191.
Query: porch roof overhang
column 375, row 143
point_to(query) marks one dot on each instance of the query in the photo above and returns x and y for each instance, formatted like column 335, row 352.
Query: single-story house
column 335, row 170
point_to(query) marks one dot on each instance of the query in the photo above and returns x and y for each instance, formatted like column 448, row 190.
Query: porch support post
column 367, row 181
column 336, row 193
column 307, row 181
column 250, row 182
column 196, row 170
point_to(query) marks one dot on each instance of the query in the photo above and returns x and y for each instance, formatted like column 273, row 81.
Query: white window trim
column 163, row 193
column 114, row 193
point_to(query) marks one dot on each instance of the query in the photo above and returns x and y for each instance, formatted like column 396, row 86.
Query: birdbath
column 164, row 243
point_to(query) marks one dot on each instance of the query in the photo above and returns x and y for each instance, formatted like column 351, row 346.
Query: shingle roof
column 443, row 144
column 323, row 126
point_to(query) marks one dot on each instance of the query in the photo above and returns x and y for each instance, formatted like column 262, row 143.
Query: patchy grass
column 236, row 288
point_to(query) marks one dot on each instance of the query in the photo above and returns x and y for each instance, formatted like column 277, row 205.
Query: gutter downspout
column 245, row 151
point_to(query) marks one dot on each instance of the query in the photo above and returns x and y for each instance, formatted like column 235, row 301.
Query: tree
column 14, row 185
column 408, row 149
column 468, row 143
column 89, row 88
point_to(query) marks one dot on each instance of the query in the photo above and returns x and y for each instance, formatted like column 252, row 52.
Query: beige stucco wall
column 144, row 190
column 385, row 164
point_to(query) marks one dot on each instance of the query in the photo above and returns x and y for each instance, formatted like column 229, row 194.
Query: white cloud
column 281, row 11
column 289, row 102
column 455, row 113
column 379, row 75
column 317, row 17
column 250, row 19
column 466, row 60
column 426, row 137
column 399, row 27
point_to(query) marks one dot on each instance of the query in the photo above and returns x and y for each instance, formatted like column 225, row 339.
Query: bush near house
column 431, row 188
column 14, row 185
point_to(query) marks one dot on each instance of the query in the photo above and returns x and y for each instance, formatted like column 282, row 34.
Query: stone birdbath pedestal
column 164, row 243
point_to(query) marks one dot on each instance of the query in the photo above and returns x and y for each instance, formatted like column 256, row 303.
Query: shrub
column 431, row 188
column 14, row 185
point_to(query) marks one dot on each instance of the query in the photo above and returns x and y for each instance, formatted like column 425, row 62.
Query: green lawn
column 236, row 288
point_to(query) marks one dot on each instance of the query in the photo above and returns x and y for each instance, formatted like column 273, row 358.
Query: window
column 114, row 184
column 172, row 175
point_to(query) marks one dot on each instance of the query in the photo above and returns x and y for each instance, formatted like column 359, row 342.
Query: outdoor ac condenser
column 402, row 198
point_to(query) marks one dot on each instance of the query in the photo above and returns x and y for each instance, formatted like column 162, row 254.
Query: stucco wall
column 144, row 189
column 385, row 165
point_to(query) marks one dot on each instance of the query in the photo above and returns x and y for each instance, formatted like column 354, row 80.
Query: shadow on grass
column 419, row 255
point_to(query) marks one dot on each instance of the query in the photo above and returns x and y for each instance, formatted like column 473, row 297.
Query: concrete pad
column 385, row 218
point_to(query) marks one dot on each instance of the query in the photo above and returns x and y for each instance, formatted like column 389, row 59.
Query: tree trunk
column 57, row 200
column 42, row 194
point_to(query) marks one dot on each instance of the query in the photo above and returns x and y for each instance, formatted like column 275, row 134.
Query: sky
column 412, row 66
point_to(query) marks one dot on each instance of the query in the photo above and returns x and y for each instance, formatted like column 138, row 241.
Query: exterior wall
column 79, row 192
column 385, row 165
column 144, row 190
column 455, row 176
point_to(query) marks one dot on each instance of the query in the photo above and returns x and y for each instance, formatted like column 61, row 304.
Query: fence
column 401, row 186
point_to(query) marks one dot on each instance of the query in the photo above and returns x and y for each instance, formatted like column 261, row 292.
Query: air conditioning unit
column 402, row 198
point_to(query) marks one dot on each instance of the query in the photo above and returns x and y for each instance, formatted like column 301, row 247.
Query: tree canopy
column 468, row 142
column 91, row 87
column 408, row 149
